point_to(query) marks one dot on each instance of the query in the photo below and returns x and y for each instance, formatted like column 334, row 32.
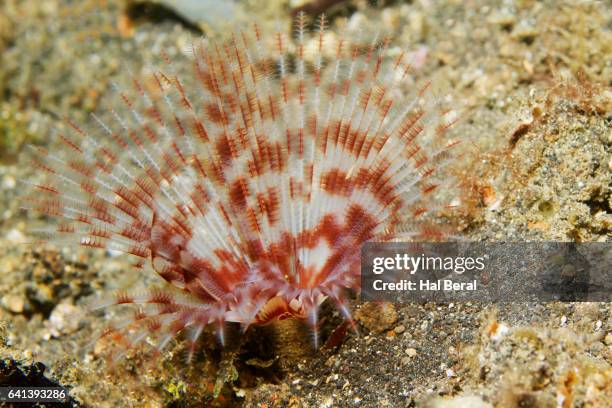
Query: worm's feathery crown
column 250, row 187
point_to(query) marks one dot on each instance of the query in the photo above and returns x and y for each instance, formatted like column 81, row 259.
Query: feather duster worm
column 251, row 190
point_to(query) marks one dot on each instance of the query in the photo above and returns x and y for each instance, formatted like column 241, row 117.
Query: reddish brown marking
column 139, row 314
column 224, row 149
column 410, row 129
column 66, row 228
column 103, row 216
column 147, row 186
column 301, row 142
column 301, row 92
column 221, row 65
column 200, row 130
column 230, row 102
column 139, row 264
column 364, row 98
column 127, row 196
column 331, row 90
column 89, row 187
column 206, row 79
column 184, row 228
column 134, row 233
column 97, row 231
column 123, row 298
column 238, row 193
column 288, row 138
column 200, row 198
column 311, row 125
column 272, row 106
column 336, row 182
column 329, row 230
column 151, row 135
column 158, row 296
column 412, row 151
column 126, row 100
column 119, row 141
column 179, row 126
column 71, row 144
column 170, row 161
column 81, row 167
column 345, row 87
column 75, row 127
column 84, row 219
column 273, row 205
column 154, row 176
column 419, row 211
column 243, row 138
column 317, row 77
column 255, row 250
column 104, row 167
column 336, row 130
column 253, row 220
column 139, row 251
column 178, row 324
column 198, row 165
column 135, row 138
column 109, row 154
column 377, row 67
column 47, row 188
column 42, row 166
column 420, row 161
column 127, row 208
column 428, row 188
column 442, row 128
column 170, row 273
column 428, row 172
column 361, row 76
column 185, row 102
column 360, row 223
column 215, row 114
column 100, row 210
column 155, row 114
column 292, row 187
column 216, row 172
column 153, row 325
column 278, row 157
column 357, row 144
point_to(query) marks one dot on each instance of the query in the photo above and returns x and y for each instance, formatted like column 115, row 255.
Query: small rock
column 9, row 182
column 399, row 329
column 377, row 317
column 15, row 236
column 502, row 18
column 210, row 12
column 13, row 303
column 64, row 319
column 608, row 339
column 524, row 32
column 411, row 352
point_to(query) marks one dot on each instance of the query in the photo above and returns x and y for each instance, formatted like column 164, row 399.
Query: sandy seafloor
column 534, row 78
